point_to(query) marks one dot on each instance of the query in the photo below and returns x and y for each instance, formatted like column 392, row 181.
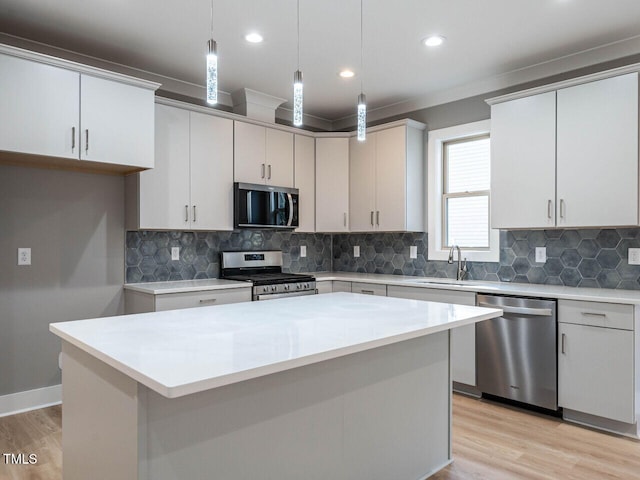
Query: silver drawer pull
column 73, row 139
column 86, row 140
column 564, row 338
column 367, row 292
column 549, row 209
column 593, row 314
column 209, row 300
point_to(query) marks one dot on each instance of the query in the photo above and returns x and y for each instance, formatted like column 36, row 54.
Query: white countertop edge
column 162, row 288
column 236, row 377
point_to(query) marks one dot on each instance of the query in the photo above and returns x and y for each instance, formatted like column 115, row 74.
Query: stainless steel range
column 264, row 269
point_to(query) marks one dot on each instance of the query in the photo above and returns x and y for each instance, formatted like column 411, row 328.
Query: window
column 465, row 193
column 459, row 193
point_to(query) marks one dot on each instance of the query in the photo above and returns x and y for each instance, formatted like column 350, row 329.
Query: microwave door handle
column 290, row 220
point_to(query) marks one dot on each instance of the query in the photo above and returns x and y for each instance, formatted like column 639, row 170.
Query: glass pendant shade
column 362, row 117
column 297, row 98
column 212, row 72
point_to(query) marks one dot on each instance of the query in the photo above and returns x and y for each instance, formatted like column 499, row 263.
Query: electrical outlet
column 634, row 256
column 413, row 251
column 541, row 254
column 356, row 251
column 24, row 256
column 175, row 253
column 303, row 251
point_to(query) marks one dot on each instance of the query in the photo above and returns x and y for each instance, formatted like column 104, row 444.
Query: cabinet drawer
column 611, row 315
column 172, row 301
column 369, row 288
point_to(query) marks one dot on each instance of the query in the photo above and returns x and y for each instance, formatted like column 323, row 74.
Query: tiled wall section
column 586, row 258
column 148, row 253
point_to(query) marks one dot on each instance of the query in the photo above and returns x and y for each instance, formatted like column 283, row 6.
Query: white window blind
column 466, row 184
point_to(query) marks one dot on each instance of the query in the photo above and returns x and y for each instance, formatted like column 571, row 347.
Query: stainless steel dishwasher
column 516, row 354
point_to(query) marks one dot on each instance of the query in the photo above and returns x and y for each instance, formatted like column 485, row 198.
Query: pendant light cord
column 211, row 18
column 298, row 14
column 361, row 50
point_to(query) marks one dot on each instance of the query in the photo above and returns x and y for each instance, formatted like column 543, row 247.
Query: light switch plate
column 303, row 251
column 541, row 254
column 175, row 253
column 356, row 251
column 634, row 256
column 24, row 256
column 413, row 251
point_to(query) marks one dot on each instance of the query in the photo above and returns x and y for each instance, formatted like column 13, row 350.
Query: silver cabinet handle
column 378, row 217
column 549, row 203
column 194, row 213
column 564, row 337
column 86, row 140
column 372, row 218
column 269, row 175
column 561, row 208
column 186, row 213
column 263, row 167
column 594, row 314
column 539, row 312
column 73, row 139
column 367, row 292
column 209, row 300
column 345, row 219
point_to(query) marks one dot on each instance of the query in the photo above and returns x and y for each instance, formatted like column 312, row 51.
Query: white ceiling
column 486, row 40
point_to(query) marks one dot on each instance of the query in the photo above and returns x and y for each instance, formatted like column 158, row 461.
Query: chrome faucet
column 462, row 266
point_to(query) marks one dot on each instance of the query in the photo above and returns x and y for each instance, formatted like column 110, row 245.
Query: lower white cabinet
column 324, row 287
column 139, row 302
column 341, row 286
column 596, row 374
column 463, row 339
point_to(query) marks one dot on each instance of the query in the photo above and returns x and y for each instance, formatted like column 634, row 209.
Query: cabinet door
column 116, row 122
column 164, row 190
column 332, row 184
column 211, row 172
column 279, row 157
column 39, row 108
column 463, row 339
column 523, row 162
column 340, row 286
column 305, row 182
column 362, row 157
column 598, row 153
column 249, row 153
column 391, row 174
column 595, row 371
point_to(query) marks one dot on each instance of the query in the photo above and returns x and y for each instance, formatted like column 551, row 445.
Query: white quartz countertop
column 630, row 297
column 183, row 286
column 180, row 352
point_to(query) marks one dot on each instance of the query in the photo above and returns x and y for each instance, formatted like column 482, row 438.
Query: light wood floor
column 490, row 441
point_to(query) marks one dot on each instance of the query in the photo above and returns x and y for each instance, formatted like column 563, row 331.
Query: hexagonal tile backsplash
column 586, row 258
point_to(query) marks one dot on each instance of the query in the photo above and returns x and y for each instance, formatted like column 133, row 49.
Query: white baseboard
column 30, row 400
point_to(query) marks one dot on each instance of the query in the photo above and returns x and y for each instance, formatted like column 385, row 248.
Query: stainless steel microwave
column 264, row 206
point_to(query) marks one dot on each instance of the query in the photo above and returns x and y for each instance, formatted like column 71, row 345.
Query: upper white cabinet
column 263, row 155
column 305, row 181
column 191, row 186
column 332, row 184
column 386, row 180
column 54, row 109
column 567, row 158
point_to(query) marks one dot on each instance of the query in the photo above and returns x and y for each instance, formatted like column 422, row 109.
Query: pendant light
column 362, row 98
column 297, row 83
column 212, row 67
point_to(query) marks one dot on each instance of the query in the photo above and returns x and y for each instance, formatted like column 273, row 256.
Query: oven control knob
column 265, row 289
column 298, row 286
column 286, row 287
column 274, row 288
column 306, row 285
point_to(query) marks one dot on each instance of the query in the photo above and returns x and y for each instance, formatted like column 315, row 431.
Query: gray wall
column 74, row 224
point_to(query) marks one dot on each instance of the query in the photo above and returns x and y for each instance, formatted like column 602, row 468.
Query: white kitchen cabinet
column 598, row 153
column 263, row 155
column 305, row 181
column 332, row 184
column 341, row 286
column 463, row 339
column 567, row 158
column 386, row 172
column 596, row 371
column 49, row 108
column 139, row 302
column 191, row 186
column 324, row 287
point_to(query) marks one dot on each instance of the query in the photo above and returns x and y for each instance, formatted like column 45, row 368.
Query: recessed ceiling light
column 434, row 40
column 253, row 37
column 347, row 74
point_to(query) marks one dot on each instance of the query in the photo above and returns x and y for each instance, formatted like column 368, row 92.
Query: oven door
column 274, row 296
column 265, row 206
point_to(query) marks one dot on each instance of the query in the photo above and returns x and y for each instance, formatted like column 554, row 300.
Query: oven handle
column 540, row 312
column 275, row 296
column 290, row 220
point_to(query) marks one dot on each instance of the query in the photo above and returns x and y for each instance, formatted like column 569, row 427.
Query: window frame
column 435, row 187
column 444, row 214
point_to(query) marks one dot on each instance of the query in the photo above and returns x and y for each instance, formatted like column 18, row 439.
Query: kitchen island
column 339, row 386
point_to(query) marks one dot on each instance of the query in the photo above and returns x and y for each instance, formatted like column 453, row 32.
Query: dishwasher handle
column 538, row 312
